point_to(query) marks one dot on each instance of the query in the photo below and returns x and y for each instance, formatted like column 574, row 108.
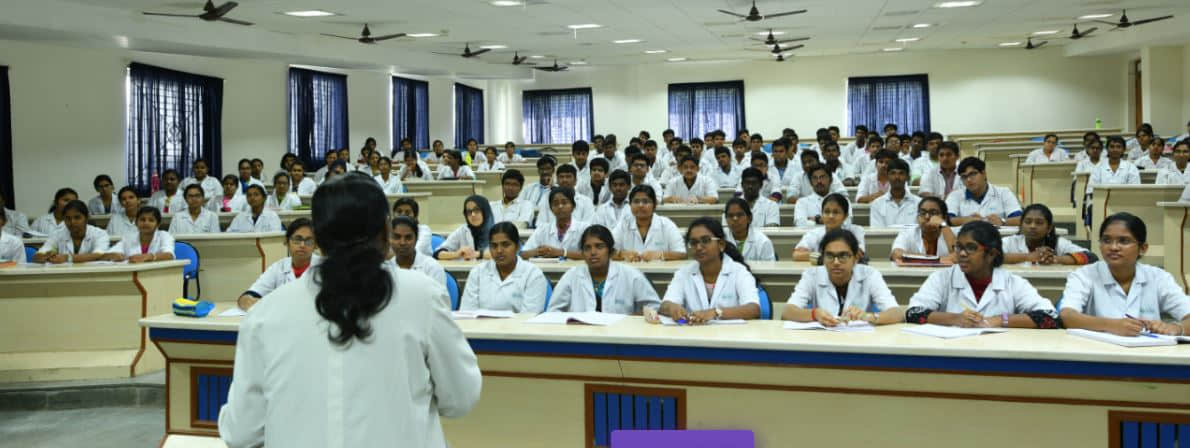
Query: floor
column 114, row 427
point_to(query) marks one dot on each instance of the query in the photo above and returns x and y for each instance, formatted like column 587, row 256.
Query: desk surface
column 767, row 268
column 100, row 267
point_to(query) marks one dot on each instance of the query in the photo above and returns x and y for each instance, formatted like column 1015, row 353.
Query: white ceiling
column 686, row 28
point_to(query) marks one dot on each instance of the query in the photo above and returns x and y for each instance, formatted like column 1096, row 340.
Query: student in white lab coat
column 512, row 208
column 414, row 168
column 247, row 176
column 472, row 156
column 765, row 212
column 300, row 244
column 717, row 284
column 808, row 210
column 584, row 211
column 75, row 241
column 1120, row 295
column 1179, row 172
column 594, row 184
column 105, row 202
column 600, row 284
column 835, row 213
column 302, row 184
column 49, row 222
column 408, row 207
column 977, row 292
column 354, row 327
column 510, row 155
column 145, row 243
column 211, row 186
column 169, row 198
column 802, row 186
column 196, row 218
column 1092, row 156
column 875, row 183
column 437, row 151
column 783, row 172
column 490, row 163
column 617, row 209
column 125, row 220
column 980, row 200
column 406, row 234
column 647, row 236
column 331, row 157
column 1049, row 152
column 389, row 182
column 231, row 200
column 558, row 238
column 944, row 177
column 931, row 237
column 256, row 218
column 452, row 168
column 470, row 240
column 690, row 188
column 897, row 207
column 751, row 242
column 725, row 173
column 841, row 289
column 17, row 223
column 505, row 282
column 1038, row 243
column 282, row 199
column 11, row 246
column 1115, row 170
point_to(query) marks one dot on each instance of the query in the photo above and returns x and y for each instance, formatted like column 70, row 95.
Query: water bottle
column 1098, row 123
column 154, row 183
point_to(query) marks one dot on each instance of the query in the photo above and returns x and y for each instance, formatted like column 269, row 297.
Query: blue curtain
column 411, row 112
column 468, row 114
column 6, row 187
column 557, row 116
column 879, row 100
column 317, row 115
column 174, row 118
column 698, row 108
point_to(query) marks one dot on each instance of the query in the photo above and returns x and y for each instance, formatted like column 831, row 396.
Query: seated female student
column 647, row 236
column 437, row 150
column 105, row 202
column 505, row 282
column 472, row 156
column 146, row 243
column 231, row 201
column 1179, row 172
column 404, row 250
column 717, row 285
column 75, row 241
column 196, row 218
column 52, row 221
column 1092, row 155
column 256, row 218
column 337, row 169
column 977, row 292
column 299, row 240
column 17, row 223
column 1115, row 170
column 373, row 167
column 841, row 289
column 1120, row 295
column 510, row 155
column 601, row 284
column 302, row 184
column 932, row 235
column 558, row 238
column 453, row 168
column 1048, row 152
column 752, row 243
column 490, row 162
column 11, row 247
column 282, row 198
column 391, row 184
column 1038, row 243
column 408, row 207
column 470, row 240
column 834, row 216
column 1153, row 160
column 169, row 198
column 124, row 221
column 210, row 185
column 414, row 168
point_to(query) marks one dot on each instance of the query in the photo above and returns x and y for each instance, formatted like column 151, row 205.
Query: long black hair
column 712, row 225
column 600, row 232
column 1050, row 239
column 480, row 234
column 986, row 235
column 350, row 216
column 836, row 235
column 1134, row 225
column 58, row 195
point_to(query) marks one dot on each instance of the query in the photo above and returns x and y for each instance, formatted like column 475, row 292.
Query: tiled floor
column 120, row 427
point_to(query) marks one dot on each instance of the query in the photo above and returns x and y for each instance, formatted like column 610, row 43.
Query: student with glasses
column 600, row 284
column 1121, row 295
column 982, row 201
column 841, row 289
column 647, row 236
column 299, row 240
column 931, row 237
column 977, row 292
column 718, row 284
column 470, row 240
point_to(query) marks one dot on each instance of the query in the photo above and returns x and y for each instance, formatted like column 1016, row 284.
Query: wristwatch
column 1004, row 320
column 718, row 313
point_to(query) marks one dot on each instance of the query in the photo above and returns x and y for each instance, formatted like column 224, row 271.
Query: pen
column 682, row 321
column 1151, row 335
column 1144, row 327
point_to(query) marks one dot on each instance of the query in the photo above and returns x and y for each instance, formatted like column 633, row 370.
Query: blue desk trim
column 193, row 335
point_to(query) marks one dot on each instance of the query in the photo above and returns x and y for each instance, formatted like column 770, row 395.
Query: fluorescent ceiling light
column 422, row 34
column 578, row 62
column 627, row 41
column 766, row 33
column 1009, row 44
column 310, row 13
column 1045, row 33
column 584, row 26
column 676, row 59
column 1094, row 16
column 655, row 51
column 506, row 3
column 908, row 39
column 493, row 47
column 958, row 4
column 921, row 25
column 894, row 49
column 537, row 56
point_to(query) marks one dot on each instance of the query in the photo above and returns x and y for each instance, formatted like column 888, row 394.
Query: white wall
column 1161, row 85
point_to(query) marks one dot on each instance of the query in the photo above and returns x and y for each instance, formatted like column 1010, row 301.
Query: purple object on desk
column 683, row 439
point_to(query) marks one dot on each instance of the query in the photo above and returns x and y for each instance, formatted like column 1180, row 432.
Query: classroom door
column 1138, row 102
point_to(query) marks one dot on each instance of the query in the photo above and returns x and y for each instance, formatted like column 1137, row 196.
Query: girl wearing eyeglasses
column 299, row 239
column 753, row 245
column 834, row 216
column 1120, row 295
column 931, row 237
column 470, row 240
column 977, row 292
column 717, row 285
column 647, row 236
column 601, row 284
column 841, row 289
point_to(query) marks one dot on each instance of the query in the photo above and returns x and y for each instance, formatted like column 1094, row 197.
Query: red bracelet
column 813, row 313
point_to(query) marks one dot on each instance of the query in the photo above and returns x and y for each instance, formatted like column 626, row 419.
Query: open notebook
column 1144, row 340
column 666, row 320
column 855, row 326
column 945, row 332
column 589, row 318
column 475, row 314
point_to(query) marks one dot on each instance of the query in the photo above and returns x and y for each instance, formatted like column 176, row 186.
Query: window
column 173, row 119
column 6, row 186
column 557, row 116
column 317, row 114
column 698, row 108
column 880, row 100
column 468, row 114
column 411, row 112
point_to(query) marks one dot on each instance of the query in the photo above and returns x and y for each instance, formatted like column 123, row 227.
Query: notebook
column 666, row 320
column 945, row 332
column 234, row 311
column 1144, row 340
column 920, row 260
column 855, row 326
column 475, row 314
column 588, row 317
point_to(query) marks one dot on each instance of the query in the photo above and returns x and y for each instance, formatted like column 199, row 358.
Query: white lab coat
column 866, row 288
column 1125, row 174
column 211, row 186
column 611, row 215
column 734, row 287
column 1173, row 176
column 810, row 206
column 1092, row 290
column 888, row 213
column 237, row 204
column 584, row 210
column 702, row 187
column 910, row 241
column 129, row 244
column 307, row 186
column 293, row 387
column 120, row 224
column 625, row 291
column 765, row 213
column 425, row 242
column 464, row 172
column 47, row 224
column 947, row 290
column 1038, row 156
column 11, row 249
column 290, row 202
column 279, row 273
column 391, row 186
column 427, row 265
column 996, row 201
column 184, row 223
column 1145, row 163
column 757, row 246
column 522, row 292
column 95, row 241
column 870, row 184
column 813, row 237
column 405, row 175
column 801, row 187
column 489, row 167
column 95, row 206
column 585, row 189
column 518, row 211
column 547, row 236
column 161, row 201
column 460, row 238
column 933, row 182
column 267, row 221
column 17, row 223
column 1015, row 244
column 504, row 158
column 728, row 179
column 663, row 236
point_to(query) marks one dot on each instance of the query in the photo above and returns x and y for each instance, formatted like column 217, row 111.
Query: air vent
column 901, row 13
column 554, row 33
column 887, row 28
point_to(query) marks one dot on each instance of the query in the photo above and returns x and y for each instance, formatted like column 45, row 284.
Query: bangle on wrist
column 813, row 313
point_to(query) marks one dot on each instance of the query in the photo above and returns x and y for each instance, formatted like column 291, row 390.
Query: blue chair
column 766, row 305
column 1037, row 139
column 549, row 291
column 29, row 251
column 768, row 147
column 529, row 153
column 435, row 241
column 184, row 250
column 452, row 287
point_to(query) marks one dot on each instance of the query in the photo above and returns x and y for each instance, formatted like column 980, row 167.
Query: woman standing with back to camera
column 357, row 354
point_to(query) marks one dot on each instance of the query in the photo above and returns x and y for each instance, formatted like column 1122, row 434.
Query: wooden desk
column 99, row 221
column 1148, row 177
column 1050, row 184
column 448, row 196
column 77, row 322
column 492, row 188
column 756, row 377
column 967, row 142
column 230, row 262
column 1177, row 238
column 683, row 214
column 1000, row 169
column 1140, row 200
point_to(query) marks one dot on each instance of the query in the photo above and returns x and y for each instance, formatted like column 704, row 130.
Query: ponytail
column 729, row 249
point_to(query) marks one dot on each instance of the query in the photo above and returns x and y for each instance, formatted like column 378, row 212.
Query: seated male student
column 781, row 172
column 690, row 188
column 726, row 174
column 982, row 201
column 801, row 187
column 740, row 156
column 831, row 152
column 580, row 151
column 656, row 165
column 638, row 167
column 756, row 143
column 511, row 207
column 867, row 163
column 857, row 148
column 510, row 155
column 706, row 156
column 943, row 179
column 897, row 207
column 672, row 172
column 765, row 211
column 332, row 155
column 617, row 209
column 760, row 161
column 614, row 159
column 875, row 184
column 595, row 186
column 808, row 212
column 584, row 207
column 545, row 173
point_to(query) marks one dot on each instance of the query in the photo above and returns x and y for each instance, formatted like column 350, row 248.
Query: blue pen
column 1151, row 335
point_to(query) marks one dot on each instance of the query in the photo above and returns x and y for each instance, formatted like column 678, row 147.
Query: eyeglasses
column 1122, row 242
column 968, row 248
column 701, row 243
column 308, row 242
column 969, row 175
column 473, row 211
column 929, row 213
column 840, row 257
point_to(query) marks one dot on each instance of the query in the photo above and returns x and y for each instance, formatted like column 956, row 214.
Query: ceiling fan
column 553, row 68
column 1030, row 46
column 1125, row 23
column 517, row 59
column 780, row 57
column 1076, row 34
column 772, row 40
column 755, row 16
column 467, row 53
column 211, row 13
column 365, row 36
column 777, row 50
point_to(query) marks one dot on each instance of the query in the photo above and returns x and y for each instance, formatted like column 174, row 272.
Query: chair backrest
column 452, row 287
column 549, row 291
column 184, row 250
column 29, row 251
column 766, row 305
column 436, row 240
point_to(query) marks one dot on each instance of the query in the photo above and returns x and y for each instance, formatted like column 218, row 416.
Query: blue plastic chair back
column 527, row 153
column 452, row 287
column 436, row 240
column 1037, row 139
column 549, row 291
column 29, row 251
column 768, row 147
column 766, row 305
column 184, row 250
